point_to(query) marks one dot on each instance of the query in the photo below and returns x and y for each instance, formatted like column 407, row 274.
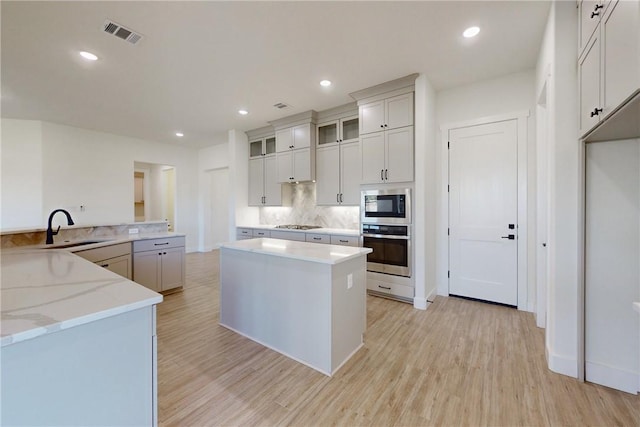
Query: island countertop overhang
column 313, row 252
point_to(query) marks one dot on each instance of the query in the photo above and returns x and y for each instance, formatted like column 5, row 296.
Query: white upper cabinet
column 338, row 174
column 338, row 131
column 264, row 188
column 294, row 137
column 385, row 114
column 609, row 58
column 256, row 181
column 262, row 147
column 387, row 156
column 620, row 34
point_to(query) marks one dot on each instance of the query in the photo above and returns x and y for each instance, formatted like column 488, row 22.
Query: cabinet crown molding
column 406, row 82
column 262, row 132
column 346, row 110
column 295, row 120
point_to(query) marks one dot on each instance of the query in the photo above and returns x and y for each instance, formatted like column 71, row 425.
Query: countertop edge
column 322, row 230
column 78, row 321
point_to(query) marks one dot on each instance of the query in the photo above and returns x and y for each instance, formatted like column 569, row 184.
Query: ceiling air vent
column 280, row 105
column 121, row 32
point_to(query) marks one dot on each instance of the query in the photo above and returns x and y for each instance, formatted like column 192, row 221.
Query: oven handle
column 384, row 236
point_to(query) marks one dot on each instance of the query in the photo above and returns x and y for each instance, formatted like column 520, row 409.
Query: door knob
column 510, row 237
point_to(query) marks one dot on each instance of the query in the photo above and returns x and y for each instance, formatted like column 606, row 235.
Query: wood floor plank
column 458, row 363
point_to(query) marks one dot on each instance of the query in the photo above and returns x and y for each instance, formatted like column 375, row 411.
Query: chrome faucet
column 50, row 232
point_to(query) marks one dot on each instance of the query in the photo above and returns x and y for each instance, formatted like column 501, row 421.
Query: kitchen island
column 78, row 343
column 304, row 300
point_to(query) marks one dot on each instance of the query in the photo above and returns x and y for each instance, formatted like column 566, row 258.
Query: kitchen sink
column 66, row 245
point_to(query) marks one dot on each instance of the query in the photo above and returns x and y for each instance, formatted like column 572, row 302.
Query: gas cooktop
column 298, row 227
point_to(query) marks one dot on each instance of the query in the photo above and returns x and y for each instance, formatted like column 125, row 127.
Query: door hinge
column 448, row 144
column 448, row 274
column 448, row 231
column 447, row 188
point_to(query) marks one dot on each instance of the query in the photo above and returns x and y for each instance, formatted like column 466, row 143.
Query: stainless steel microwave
column 389, row 206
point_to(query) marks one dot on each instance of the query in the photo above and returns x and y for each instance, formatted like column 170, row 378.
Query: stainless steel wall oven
column 391, row 246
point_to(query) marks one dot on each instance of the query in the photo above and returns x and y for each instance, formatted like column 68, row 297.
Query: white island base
column 304, row 300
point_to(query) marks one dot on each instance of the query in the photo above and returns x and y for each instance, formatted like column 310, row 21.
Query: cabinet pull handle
column 386, row 174
column 595, row 112
column 164, row 253
column 381, row 126
column 317, row 238
column 338, row 197
column 104, row 265
column 594, row 14
column 343, row 241
column 384, row 287
column 385, row 125
column 381, row 174
column 510, row 237
column 341, row 200
column 161, row 244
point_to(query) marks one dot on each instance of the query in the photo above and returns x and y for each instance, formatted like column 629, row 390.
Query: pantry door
column 483, row 212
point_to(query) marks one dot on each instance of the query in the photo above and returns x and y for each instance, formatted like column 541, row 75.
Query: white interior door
column 483, row 212
column 542, row 214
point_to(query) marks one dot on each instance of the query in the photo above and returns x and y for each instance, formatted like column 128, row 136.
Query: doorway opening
column 154, row 193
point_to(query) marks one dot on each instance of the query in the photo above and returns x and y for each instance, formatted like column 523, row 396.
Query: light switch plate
column 349, row 281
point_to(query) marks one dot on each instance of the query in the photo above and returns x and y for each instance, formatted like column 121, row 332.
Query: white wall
column 513, row 93
column 557, row 66
column 424, row 227
column 21, row 174
column 95, row 169
column 239, row 180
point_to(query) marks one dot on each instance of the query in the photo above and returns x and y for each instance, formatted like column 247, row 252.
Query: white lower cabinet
column 392, row 286
column 116, row 258
column 288, row 235
column 158, row 264
column 345, row 240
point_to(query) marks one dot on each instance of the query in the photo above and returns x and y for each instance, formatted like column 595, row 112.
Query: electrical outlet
column 349, row 281
column 133, row 231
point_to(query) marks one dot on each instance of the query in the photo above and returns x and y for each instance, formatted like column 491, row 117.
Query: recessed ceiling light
column 471, row 32
column 243, row 112
column 88, row 56
column 179, row 134
column 325, row 83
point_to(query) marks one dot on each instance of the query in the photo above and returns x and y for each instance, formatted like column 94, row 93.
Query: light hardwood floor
column 458, row 363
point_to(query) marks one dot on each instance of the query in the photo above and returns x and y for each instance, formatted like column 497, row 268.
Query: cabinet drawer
column 244, row 232
column 261, row 233
column 390, row 288
column 345, row 240
column 106, row 252
column 152, row 244
column 287, row 235
column 318, row 238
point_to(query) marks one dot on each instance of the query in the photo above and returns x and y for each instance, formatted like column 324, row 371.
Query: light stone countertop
column 103, row 241
column 44, row 291
column 636, row 306
column 334, row 231
column 40, row 229
column 325, row 254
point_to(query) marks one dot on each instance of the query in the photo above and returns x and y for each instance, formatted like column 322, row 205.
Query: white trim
column 610, row 376
column 442, row 266
column 580, row 250
column 485, row 120
column 562, row 365
column 420, row 303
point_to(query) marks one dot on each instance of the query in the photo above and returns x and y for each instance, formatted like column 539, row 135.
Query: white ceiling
column 199, row 62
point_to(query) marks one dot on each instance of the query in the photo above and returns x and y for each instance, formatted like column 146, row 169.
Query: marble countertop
column 326, row 254
column 44, row 291
column 636, row 306
column 334, row 231
column 102, row 241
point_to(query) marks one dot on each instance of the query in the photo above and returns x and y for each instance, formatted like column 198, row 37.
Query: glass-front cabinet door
column 262, row 147
column 327, row 133
column 349, row 129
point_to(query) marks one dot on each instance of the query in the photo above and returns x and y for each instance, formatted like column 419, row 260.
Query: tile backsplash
column 303, row 210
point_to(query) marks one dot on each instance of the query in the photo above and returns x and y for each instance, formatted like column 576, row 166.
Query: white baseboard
column 612, row 377
column 420, row 303
column 562, row 364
